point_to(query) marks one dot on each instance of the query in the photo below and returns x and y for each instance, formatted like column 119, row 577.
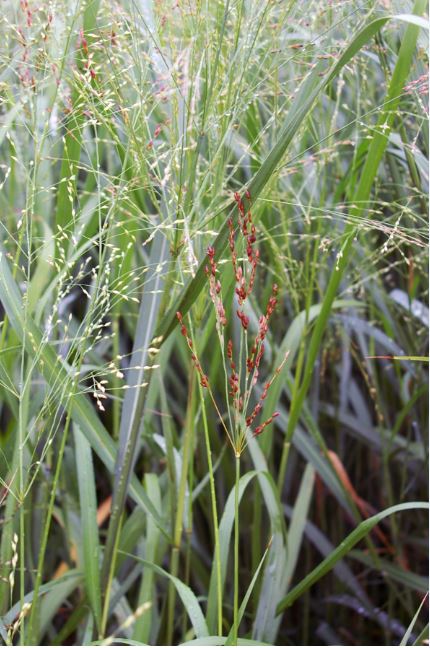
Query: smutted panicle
column 239, row 383
column 244, row 271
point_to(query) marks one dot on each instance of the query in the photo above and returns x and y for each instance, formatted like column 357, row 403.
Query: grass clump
column 214, row 323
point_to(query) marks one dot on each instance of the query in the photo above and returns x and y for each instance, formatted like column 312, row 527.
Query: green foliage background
column 126, row 127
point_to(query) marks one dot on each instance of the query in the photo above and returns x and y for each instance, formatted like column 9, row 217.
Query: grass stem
column 236, row 553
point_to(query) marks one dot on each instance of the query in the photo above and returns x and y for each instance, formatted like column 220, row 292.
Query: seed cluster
column 248, row 230
column 215, row 290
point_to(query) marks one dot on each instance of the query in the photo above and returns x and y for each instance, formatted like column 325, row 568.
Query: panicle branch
column 203, row 378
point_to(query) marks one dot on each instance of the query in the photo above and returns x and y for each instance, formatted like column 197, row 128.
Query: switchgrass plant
column 241, row 376
column 214, row 338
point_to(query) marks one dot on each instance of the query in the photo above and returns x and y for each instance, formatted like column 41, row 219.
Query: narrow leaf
column 350, row 541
